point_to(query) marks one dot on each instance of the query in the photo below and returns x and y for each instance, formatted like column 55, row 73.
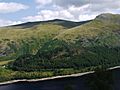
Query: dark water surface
column 77, row 83
column 74, row 83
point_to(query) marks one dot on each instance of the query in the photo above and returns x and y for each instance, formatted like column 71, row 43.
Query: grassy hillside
column 95, row 28
column 95, row 43
column 11, row 40
column 14, row 39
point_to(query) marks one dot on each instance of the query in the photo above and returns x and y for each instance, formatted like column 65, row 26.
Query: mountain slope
column 96, row 43
column 32, row 34
column 102, row 24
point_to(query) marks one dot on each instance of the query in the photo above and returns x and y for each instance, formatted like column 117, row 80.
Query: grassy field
column 5, row 62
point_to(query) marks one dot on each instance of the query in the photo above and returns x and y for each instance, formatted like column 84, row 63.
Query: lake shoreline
column 44, row 79
column 54, row 77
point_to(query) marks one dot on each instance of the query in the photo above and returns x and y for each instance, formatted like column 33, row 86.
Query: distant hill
column 108, row 17
column 65, row 23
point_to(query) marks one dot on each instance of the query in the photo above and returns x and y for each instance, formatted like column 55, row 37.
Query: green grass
column 5, row 62
column 11, row 38
column 89, row 30
column 41, row 31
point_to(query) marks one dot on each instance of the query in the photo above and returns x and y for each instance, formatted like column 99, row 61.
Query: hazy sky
column 19, row 11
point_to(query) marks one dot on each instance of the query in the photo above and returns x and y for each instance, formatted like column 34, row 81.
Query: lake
column 77, row 83
column 74, row 83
